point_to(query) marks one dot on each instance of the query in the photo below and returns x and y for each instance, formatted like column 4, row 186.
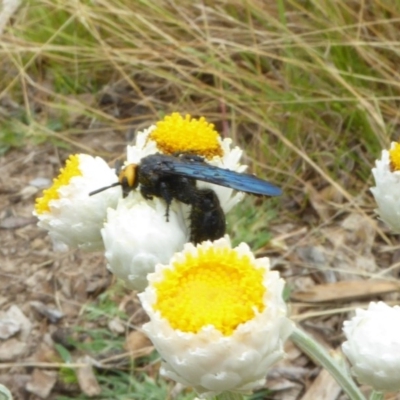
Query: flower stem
column 315, row 351
column 376, row 395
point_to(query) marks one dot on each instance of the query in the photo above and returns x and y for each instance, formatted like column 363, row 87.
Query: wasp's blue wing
column 220, row 176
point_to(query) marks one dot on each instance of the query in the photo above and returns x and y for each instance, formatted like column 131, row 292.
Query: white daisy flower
column 5, row 394
column 373, row 346
column 143, row 147
column 137, row 236
column 387, row 189
column 217, row 317
column 66, row 210
column 177, row 134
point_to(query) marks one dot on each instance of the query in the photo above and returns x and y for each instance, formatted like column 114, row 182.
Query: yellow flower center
column 216, row 286
column 177, row 134
column 394, row 155
column 71, row 169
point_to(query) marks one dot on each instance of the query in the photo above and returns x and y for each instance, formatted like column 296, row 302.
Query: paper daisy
column 137, row 236
column 373, row 346
column 177, row 134
column 217, row 317
column 387, row 189
column 66, row 210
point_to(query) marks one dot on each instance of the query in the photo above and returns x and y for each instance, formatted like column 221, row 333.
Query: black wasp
column 174, row 177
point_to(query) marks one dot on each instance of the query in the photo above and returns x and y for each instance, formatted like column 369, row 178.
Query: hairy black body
column 207, row 218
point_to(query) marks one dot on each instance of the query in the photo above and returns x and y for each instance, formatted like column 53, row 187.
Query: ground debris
column 138, row 344
column 116, row 325
column 15, row 222
column 42, row 382
column 8, row 327
column 12, row 349
column 345, row 291
column 15, row 313
column 51, row 313
column 323, row 387
column 14, row 321
column 86, row 377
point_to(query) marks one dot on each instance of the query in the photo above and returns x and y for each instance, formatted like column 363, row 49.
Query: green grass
column 125, row 386
column 249, row 221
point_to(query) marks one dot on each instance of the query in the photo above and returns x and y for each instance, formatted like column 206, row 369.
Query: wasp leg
column 167, row 194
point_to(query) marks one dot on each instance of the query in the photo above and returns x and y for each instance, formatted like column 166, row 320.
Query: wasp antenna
column 104, row 188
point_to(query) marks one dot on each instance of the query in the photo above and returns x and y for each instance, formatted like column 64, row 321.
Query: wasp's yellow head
column 128, row 178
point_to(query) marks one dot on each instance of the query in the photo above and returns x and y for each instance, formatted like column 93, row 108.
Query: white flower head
column 217, row 317
column 66, row 210
column 373, row 346
column 176, row 134
column 5, row 394
column 387, row 189
column 143, row 146
column 137, row 236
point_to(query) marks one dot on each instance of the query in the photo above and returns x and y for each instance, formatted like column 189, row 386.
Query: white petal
column 137, row 237
column 143, row 147
column 373, row 346
column 75, row 219
column 387, row 192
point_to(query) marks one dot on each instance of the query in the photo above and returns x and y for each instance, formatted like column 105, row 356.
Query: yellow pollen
column 216, row 286
column 177, row 134
column 70, row 170
column 394, row 155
